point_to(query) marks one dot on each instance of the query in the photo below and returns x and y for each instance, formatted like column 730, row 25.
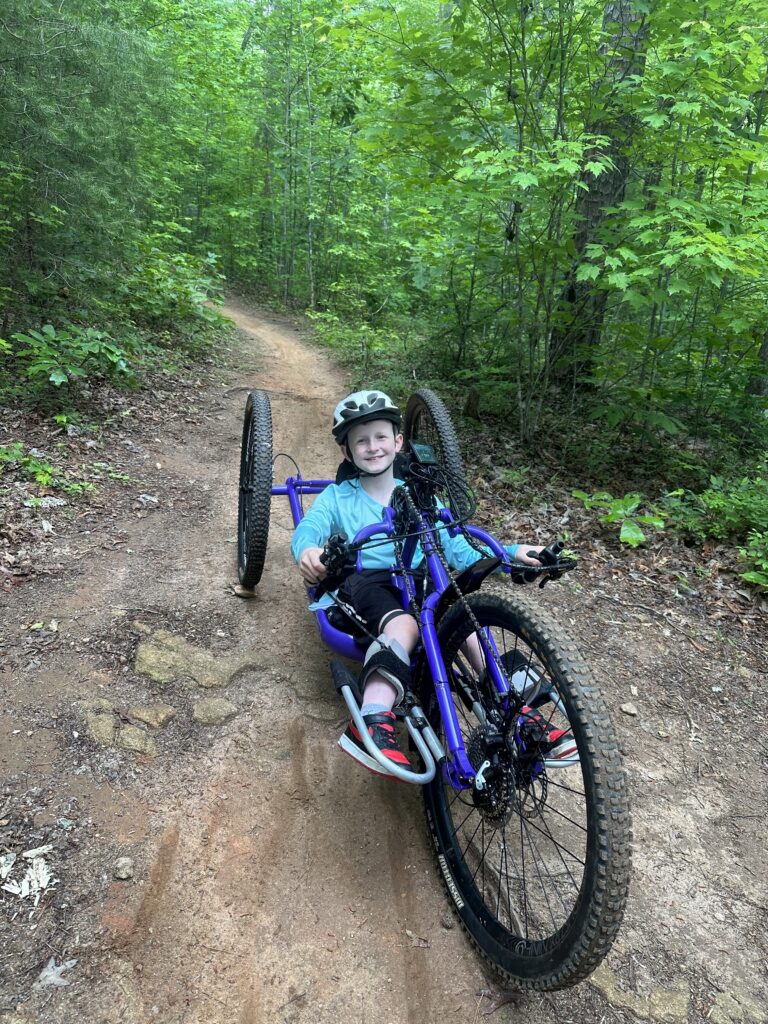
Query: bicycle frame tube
column 294, row 487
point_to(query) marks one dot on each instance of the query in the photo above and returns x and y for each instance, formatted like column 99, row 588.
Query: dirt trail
column 274, row 880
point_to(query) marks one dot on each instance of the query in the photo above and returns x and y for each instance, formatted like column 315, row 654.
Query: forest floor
column 150, row 714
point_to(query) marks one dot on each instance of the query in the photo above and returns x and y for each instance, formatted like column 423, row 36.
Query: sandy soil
column 273, row 879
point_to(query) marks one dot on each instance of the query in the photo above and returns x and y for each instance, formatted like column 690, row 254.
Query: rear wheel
column 536, row 863
column 427, row 421
column 255, row 489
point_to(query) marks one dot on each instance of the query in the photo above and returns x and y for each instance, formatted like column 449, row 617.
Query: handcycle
column 532, row 841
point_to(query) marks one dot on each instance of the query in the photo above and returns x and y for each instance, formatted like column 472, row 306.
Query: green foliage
column 72, row 353
column 726, row 510
column 756, row 554
column 626, row 512
column 172, row 290
column 368, row 349
column 39, row 470
column 516, row 478
column 579, row 232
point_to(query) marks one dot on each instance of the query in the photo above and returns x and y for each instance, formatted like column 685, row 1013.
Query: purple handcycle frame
column 458, row 770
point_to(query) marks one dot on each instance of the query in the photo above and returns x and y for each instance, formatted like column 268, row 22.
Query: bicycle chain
column 414, row 511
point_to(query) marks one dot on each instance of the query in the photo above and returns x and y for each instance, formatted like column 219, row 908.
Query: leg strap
column 389, row 659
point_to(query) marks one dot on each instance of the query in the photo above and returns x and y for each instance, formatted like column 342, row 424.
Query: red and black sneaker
column 381, row 729
column 554, row 744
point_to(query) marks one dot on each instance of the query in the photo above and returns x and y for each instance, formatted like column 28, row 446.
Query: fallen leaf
column 51, row 975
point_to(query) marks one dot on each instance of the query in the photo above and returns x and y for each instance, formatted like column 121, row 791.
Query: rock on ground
column 154, row 715
column 168, row 658
column 132, row 738
column 213, row 711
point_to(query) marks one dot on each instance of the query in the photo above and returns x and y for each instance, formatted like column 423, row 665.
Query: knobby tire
column 255, row 489
column 540, row 894
column 428, row 421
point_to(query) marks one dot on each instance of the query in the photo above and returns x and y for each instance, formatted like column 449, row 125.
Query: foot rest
column 342, row 676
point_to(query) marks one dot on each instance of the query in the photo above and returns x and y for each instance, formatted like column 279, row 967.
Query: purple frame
column 459, row 771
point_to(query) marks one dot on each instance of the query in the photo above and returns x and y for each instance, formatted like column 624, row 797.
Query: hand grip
column 333, row 547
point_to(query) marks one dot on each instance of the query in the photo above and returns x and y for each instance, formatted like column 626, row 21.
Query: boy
column 366, row 425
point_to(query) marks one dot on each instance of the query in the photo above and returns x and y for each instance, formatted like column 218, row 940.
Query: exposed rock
column 101, row 727
column 154, row 715
column 168, row 658
column 629, row 709
column 94, row 704
column 123, row 868
column 132, row 738
column 730, row 1009
column 667, row 1005
column 213, row 711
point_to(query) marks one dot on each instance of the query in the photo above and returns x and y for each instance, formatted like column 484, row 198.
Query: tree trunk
column 582, row 307
column 758, row 384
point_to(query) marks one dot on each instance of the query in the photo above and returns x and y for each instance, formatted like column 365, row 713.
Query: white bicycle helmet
column 361, row 407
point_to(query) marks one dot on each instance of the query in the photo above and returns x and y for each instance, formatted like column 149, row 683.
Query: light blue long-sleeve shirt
column 347, row 508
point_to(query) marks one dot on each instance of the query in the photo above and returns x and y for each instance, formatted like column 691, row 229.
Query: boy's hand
column 310, row 566
column 526, row 553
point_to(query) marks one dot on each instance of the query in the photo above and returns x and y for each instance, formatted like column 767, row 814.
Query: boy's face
column 372, row 446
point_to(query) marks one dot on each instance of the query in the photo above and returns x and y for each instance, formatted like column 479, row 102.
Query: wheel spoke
column 562, row 860
column 521, row 848
column 544, row 889
column 555, row 843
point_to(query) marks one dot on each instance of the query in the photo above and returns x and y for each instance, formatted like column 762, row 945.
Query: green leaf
column 587, row 272
column 524, row 179
column 760, row 578
column 58, row 377
column 619, row 280
column 631, row 533
column 651, row 520
column 655, row 120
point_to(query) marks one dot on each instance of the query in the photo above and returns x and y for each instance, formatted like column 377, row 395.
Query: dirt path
column 273, row 880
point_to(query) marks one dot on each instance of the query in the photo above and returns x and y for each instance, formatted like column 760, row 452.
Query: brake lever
column 340, row 558
column 552, row 566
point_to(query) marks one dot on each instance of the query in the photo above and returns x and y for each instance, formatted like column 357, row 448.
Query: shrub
column 58, row 357
column 167, row 291
column 626, row 511
column 756, row 554
column 727, row 509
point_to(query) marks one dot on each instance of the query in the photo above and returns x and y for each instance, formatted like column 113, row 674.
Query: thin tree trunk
column 582, row 307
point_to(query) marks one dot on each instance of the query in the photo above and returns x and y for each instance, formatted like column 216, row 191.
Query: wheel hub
column 508, row 783
column 498, row 796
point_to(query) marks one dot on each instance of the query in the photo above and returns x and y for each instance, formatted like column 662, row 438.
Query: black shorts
column 375, row 597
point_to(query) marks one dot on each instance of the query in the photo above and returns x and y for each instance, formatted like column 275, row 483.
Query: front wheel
column 537, row 862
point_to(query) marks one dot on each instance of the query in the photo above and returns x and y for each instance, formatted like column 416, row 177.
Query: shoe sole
column 351, row 748
column 563, row 756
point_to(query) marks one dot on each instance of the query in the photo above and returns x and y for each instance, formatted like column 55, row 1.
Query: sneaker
column 555, row 744
column 525, row 678
column 381, row 729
